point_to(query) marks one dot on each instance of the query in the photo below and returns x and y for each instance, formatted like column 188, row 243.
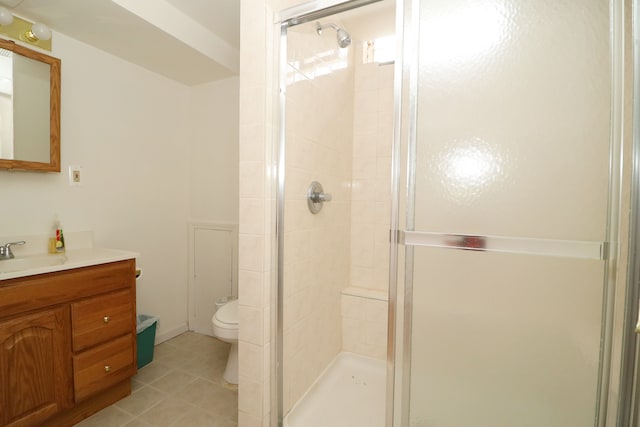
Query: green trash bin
column 146, row 331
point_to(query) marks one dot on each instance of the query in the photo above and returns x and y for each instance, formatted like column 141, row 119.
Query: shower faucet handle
column 320, row 197
column 316, row 197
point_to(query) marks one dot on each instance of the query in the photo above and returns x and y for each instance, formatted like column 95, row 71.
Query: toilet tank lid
column 228, row 313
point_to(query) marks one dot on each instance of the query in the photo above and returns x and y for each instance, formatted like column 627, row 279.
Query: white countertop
column 70, row 259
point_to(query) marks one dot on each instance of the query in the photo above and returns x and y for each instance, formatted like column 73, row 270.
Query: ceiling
column 190, row 41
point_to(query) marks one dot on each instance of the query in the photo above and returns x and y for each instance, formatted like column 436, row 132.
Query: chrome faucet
column 5, row 250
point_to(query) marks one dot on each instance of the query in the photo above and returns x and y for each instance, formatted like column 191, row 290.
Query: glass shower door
column 508, row 222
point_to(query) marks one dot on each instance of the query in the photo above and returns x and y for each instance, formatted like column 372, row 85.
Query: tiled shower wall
column 255, row 240
column 371, row 185
column 364, row 313
column 319, row 129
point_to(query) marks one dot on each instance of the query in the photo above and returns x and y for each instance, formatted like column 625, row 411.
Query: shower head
column 342, row 36
column 344, row 39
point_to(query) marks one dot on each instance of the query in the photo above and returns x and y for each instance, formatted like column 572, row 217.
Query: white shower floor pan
column 350, row 393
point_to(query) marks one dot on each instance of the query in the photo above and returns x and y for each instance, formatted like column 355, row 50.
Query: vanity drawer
column 103, row 366
column 101, row 318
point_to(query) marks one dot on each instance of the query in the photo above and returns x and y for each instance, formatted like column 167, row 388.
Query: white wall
column 213, row 164
column 130, row 131
column 214, row 151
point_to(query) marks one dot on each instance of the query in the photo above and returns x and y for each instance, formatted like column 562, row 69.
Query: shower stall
column 449, row 213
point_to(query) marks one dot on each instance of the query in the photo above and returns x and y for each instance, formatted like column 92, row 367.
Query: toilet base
column 231, row 371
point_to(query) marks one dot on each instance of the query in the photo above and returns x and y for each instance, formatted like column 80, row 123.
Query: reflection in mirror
column 29, row 109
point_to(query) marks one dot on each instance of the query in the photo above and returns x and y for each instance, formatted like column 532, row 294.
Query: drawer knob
column 107, row 368
column 106, row 319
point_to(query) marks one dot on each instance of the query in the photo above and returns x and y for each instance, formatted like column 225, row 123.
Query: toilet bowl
column 225, row 328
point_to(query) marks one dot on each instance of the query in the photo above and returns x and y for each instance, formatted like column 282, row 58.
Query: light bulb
column 41, row 31
column 6, row 17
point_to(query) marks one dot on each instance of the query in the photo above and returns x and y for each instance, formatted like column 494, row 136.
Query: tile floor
column 182, row 386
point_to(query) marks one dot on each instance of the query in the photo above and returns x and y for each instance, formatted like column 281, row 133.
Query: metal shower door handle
column 316, row 197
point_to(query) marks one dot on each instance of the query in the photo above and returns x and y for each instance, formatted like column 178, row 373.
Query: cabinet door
column 35, row 367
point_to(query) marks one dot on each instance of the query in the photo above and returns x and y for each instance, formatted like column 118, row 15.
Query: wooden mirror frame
column 54, row 112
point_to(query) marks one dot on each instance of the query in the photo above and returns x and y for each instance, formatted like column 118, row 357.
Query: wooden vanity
column 67, row 343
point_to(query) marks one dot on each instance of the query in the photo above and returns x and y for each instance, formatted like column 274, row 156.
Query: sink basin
column 30, row 262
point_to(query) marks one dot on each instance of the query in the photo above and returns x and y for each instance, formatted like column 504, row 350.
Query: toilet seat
column 225, row 322
column 227, row 316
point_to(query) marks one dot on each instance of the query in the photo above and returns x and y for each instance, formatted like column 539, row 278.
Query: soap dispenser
column 56, row 243
column 59, row 239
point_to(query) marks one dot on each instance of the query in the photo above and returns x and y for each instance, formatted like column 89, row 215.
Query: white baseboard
column 171, row 333
column 203, row 331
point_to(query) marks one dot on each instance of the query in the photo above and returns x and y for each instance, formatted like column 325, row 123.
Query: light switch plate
column 75, row 175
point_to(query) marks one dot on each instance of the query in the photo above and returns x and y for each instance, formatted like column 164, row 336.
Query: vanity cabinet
column 67, row 343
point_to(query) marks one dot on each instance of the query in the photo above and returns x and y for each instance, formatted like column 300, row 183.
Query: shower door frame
column 283, row 20
column 618, row 389
column 628, row 411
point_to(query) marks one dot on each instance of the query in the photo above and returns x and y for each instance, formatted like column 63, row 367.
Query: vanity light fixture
column 6, row 17
column 37, row 34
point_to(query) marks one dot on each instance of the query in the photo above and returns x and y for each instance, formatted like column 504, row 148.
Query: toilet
column 225, row 328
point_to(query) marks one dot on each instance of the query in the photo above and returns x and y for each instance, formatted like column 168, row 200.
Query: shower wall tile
column 252, row 248
column 252, row 291
column 363, row 190
column 266, row 398
column 298, row 214
column 362, row 245
column 362, row 277
column 365, row 210
column 250, row 396
column 385, row 133
column 383, row 173
column 252, row 178
column 246, row 420
column 298, row 181
column 319, row 148
column 251, row 216
column 365, row 142
column 371, row 184
column 266, row 327
column 366, row 100
column 364, row 326
column 252, row 150
column 251, row 363
column 365, row 121
column 364, row 333
column 385, row 90
column 352, row 307
column 367, row 76
column 256, row 205
column 382, row 212
column 364, row 167
column 253, row 67
column 302, row 153
column 248, row 105
column 252, row 328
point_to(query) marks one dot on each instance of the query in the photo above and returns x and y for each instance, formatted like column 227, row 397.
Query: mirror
column 29, row 109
